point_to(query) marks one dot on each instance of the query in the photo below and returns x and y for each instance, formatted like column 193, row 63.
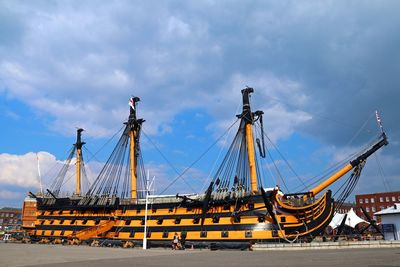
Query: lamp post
column 145, row 216
column 148, row 186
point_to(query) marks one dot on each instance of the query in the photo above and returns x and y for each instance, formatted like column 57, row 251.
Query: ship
column 234, row 209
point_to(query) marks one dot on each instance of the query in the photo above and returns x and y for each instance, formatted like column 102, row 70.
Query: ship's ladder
column 94, row 231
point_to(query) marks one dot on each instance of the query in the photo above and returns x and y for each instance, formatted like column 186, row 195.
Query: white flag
column 132, row 103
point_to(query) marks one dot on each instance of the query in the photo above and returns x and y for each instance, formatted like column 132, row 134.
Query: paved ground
column 56, row 255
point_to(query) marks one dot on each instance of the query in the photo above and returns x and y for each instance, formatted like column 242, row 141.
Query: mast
column 132, row 164
column 247, row 119
column 134, row 125
column 78, row 146
column 382, row 141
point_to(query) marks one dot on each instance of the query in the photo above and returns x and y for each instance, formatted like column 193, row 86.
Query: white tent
column 352, row 219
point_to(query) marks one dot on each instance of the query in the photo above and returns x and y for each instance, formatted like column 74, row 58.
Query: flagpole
column 40, row 176
column 145, row 214
column 378, row 120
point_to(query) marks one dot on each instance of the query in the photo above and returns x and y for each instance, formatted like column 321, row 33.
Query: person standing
column 175, row 241
column 183, row 240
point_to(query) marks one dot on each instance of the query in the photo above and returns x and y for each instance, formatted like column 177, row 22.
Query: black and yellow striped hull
column 225, row 221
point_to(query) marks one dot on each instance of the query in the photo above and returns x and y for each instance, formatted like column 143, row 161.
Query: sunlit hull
column 250, row 222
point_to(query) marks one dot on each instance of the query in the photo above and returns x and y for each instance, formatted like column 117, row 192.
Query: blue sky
column 320, row 69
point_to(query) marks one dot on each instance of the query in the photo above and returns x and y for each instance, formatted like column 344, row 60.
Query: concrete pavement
column 57, row 255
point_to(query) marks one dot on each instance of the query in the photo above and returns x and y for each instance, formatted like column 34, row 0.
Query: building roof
column 352, row 219
column 378, row 193
column 391, row 210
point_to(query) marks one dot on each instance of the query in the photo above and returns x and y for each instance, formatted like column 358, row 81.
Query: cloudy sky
column 320, row 69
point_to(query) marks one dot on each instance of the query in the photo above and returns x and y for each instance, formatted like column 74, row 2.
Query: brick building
column 10, row 219
column 346, row 207
column 376, row 202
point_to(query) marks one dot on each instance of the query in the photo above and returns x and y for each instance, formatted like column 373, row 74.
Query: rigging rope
column 360, row 129
column 93, row 155
column 85, row 180
column 106, row 143
column 166, row 159
column 285, row 160
column 348, row 186
column 335, row 167
column 200, row 157
column 57, row 183
column 53, row 166
column 207, row 181
column 276, row 182
column 381, row 173
column 277, row 170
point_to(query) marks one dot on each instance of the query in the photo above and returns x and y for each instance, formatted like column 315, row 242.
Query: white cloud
column 186, row 56
column 106, row 73
column 77, row 64
column 14, row 70
column 21, row 170
column 379, row 174
column 280, row 118
column 12, row 115
column 282, row 123
column 176, row 28
column 80, row 69
column 17, row 79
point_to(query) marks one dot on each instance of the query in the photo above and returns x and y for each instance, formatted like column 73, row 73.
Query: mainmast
column 134, row 125
column 122, row 174
column 78, row 145
column 238, row 172
column 247, row 120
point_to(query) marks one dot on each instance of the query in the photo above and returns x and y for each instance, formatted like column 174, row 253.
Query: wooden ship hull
column 222, row 223
column 245, row 214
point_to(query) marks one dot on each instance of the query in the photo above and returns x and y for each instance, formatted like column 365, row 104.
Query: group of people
column 178, row 242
